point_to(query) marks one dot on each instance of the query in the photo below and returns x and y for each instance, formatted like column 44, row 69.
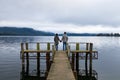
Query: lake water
column 107, row 65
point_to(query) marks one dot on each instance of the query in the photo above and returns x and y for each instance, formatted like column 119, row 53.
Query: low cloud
column 60, row 28
column 89, row 16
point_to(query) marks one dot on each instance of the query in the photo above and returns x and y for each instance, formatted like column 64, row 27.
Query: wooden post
column 48, row 46
column 53, row 53
column 73, row 65
column 27, row 59
column 48, row 58
column 73, row 61
column 77, row 61
column 38, row 60
column 23, row 61
column 86, row 60
column 22, row 47
column 38, row 46
column 68, row 52
column 90, row 65
column 77, row 57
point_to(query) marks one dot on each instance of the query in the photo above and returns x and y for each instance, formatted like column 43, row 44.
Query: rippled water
column 107, row 65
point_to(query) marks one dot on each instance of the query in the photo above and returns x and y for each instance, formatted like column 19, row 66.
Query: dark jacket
column 56, row 40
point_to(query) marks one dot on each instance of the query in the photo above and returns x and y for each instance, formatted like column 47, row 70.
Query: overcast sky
column 81, row 16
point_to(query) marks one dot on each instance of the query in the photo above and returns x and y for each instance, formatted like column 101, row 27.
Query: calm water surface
column 107, row 65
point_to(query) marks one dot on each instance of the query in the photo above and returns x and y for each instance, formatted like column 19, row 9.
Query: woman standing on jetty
column 56, row 40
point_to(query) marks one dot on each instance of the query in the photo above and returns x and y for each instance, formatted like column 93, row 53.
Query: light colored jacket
column 64, row 38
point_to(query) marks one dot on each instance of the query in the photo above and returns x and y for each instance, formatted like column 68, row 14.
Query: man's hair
column 64, row 32
column 56, row 34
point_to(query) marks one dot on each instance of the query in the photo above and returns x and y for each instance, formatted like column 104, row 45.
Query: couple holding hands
column 64, row 40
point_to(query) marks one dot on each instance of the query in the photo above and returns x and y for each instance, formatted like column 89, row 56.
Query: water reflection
column 107, row 65
column 15, row 39
column 28, row 73
column 34, row 75
column 35, row 67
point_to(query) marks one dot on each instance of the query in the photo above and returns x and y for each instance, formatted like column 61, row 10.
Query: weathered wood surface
column 60, row 68
column 83, row 51
column 37, row 51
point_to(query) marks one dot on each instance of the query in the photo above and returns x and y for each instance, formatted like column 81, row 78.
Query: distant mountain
column 23, row 32
column 14, row 31
column 109, row 34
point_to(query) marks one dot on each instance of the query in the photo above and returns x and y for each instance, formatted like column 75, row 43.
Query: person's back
column 56, row 40
column 64, row 39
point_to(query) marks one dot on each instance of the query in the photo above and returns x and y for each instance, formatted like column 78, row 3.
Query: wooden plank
column 60, row 68
column 36, row 51
column 45, row 51
column 83, row 51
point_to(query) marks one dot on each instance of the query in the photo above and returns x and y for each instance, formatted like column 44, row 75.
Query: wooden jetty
column 60, row 65
column 60, row 68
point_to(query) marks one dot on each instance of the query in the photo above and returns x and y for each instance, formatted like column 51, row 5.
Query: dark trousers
column 64, row 46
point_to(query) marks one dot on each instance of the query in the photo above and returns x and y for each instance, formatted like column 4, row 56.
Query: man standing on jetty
column 64, row 39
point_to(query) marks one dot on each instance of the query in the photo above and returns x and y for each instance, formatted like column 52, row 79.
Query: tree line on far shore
column 108, row 34
column 14, row 31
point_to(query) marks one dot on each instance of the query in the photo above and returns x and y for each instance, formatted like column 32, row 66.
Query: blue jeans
column 64, row 46
column 56, row 46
